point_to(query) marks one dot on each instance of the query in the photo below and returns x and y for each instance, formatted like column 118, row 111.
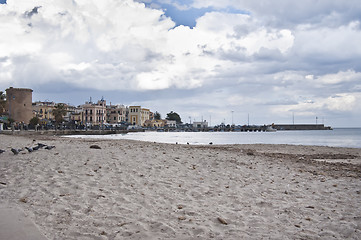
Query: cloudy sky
column 212, row 60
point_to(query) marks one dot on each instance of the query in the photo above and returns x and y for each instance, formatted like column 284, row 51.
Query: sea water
column 339, row 137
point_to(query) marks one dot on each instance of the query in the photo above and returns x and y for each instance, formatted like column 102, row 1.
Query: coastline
column 337, row 138
column 143, row 190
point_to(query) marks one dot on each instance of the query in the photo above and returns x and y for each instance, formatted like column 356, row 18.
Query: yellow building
column 43, row 110
column 138, row 115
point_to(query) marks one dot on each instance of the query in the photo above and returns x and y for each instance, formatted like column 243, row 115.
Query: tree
column 174, row 116
column 157, row 116
column 34, row 121
column 2, row 96
column 2, row 102
column 59, row 112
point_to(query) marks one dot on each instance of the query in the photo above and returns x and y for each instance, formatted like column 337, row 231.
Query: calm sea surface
column 339, row 137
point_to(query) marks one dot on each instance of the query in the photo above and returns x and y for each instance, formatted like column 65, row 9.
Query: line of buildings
column 20, row 108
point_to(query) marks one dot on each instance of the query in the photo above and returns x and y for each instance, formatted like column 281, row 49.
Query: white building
column 171, row 123
column 200, row 125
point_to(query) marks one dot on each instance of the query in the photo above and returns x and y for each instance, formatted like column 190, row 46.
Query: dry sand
column 139, row 190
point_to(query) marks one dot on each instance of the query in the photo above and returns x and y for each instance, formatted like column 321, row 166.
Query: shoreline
column 336, row 138
column 144, row 190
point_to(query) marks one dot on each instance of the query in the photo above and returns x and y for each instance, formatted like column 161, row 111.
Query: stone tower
column 19, row 104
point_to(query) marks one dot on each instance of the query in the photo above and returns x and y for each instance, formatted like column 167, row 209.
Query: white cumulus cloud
column 275, row 57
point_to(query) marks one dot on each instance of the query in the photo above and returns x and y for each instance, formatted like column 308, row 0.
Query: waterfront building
column 19, row 104
column 94, row 113
column 138, row 115
column 43, row 110
column 155, row 123
column 171, row 123
column 117, row 114
column 200, row 125
column 145, row 114
column 151, row 115
column 76, row 114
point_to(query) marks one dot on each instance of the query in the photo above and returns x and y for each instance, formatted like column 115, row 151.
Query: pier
column 286, row 127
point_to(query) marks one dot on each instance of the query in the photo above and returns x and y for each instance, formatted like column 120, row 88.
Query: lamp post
column 102, row 113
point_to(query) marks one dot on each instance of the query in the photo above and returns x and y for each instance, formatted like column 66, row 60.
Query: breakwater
column 281, row 127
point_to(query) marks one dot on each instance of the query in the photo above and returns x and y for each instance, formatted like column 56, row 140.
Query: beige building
column 155, row 123
column 151, row 115
column 94, row 113
column 19, row 104
column 138, row 115
column 117, row 114
column 76, row 115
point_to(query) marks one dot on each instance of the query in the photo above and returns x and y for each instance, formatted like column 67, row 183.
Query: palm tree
column 59, row 112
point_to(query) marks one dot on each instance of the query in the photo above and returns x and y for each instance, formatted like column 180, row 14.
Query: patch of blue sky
column 2, row 1
column 186, row 17
column 182, row 14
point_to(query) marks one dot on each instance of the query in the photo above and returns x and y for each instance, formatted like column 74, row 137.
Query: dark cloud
column 29, row 14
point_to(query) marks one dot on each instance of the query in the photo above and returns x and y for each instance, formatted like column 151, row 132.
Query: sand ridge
column 141, row 190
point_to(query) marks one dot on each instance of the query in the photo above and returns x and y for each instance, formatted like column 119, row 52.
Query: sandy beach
column 141, row 190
